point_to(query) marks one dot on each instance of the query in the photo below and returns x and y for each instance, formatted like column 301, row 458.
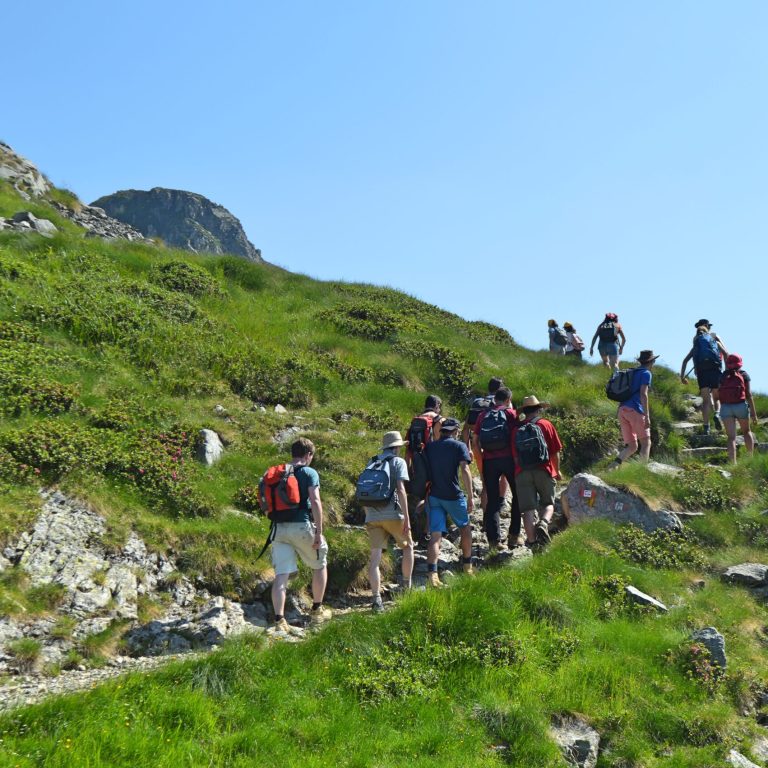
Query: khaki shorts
column 535, row 489
column 380, row 531
column 293, row 539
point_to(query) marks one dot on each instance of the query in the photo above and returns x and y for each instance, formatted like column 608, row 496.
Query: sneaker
column 377, row 606
column 705, row 429
column 319, row 615
column 542, row 532
column 717, row 422
column 433, row 580
column 282, row 626
column 468, row 569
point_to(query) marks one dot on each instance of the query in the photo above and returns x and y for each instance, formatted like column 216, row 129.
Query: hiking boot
column 377, row 606
column 705, row 429
column 319, row 615
column 716, row 420
column 468, row 569
column 542, row 533
column 433, row 580
column 283, row 626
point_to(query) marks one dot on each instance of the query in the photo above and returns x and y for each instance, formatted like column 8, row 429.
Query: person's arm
column 477, row 451
column 594, row 339
column 644, row 403
column 466, row 475
column 751, row 403
column 556, row 465
column 687, row 360
column 721, row 345
column 466, row 432
column 317, row 515
column 402, row 500
column 620, row 334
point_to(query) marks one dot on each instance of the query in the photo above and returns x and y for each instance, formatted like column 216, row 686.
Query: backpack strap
column 270, row 539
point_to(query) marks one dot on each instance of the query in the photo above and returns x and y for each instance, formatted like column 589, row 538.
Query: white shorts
column 297, row 538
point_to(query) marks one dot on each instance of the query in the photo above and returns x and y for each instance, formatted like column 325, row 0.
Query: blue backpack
column 375, row 486
column 705, row 350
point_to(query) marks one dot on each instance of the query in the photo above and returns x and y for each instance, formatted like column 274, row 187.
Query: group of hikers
column 419, row 485
column 609, row 337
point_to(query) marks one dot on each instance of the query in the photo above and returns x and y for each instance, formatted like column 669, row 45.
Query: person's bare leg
column 629, row 450
column 706, row 405
column 606, row 362
column 466, row 542
column 613, row 362
column 529, row 515
column 374, row 574
column 319, row 582
column 433, row 548
column 645, row 448
column 279, row 589
column 730, row 431
column 407, row 566
column 749, row 438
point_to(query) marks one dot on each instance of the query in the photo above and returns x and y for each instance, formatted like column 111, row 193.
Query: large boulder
column 578, row 742
column 587, row 497
column 181, row 219
column 210, row 448
column 714, row 642
column 22, row 174
column 747, row 574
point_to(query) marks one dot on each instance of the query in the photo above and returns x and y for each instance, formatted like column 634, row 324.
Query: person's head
column 611, row 317
column 503, row 395
column 531, row 406
column 647, row 358
column 449, row 428
column 392, row 441
column 552, row 323
column 702, row 329
column 303, row 449
column 569, row 327
column 493, row 385
column 703, row 322
column 733, row 362
column 433, row 403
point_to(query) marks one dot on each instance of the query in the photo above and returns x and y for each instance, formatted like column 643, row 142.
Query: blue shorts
column 734, row 410
column 708, row 377
column 609, row 348
column 441, row 509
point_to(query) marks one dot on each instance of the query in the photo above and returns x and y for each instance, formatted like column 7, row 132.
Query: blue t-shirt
column 444, row 457
column 307, row 478
column 639, row 377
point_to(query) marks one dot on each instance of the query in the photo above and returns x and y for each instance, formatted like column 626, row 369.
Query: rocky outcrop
column 97, row 224
column 26, row 221
column 182, row 220
column 587, row 497
column 578, row 742
column 210, row 449
column 23, row 175
column 714, row 642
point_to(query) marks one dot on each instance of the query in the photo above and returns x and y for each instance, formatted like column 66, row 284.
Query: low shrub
column 487, row 333
column 611, row 591
column 269, row 381
column 169, row 304
column 11, row 331
column 365, row 320
column 586, row 439
column 660, row 549
column 46, row 597
column 183, row 277
column 14, row 269
column 244, row 273
column 702, row 487
column 697, row 664
column 247, row 498
column 452, row 372
column 25, row 652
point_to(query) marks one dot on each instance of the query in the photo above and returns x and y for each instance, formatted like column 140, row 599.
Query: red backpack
column 733, row 387
column 279, row 489
column 417, row 438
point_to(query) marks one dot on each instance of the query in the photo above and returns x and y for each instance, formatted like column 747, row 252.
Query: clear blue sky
column 509, row 161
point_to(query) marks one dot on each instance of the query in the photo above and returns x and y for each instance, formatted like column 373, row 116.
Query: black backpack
column 619, row 386
column 419, row 435
column 477, row 406
column 607, row 331
column 376, row 484
column 559, row 337
column 494, row 430
column 530, row 445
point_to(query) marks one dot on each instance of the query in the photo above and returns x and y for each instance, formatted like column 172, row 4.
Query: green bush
column 10, row 331
column 269, row 381
column 451, row 372
column 366, row 320
column 247, row 498
column 25, row 652
column 612, row 595
column 586, row 439
column 183, row 277
column 244, row 273
column 660, row 549
column 170, row 305
column 702, row 487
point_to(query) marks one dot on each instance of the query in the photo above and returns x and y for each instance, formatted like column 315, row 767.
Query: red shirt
column 552, row 439
column 502, row 453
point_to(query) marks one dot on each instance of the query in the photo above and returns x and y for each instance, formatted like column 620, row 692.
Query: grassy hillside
column 113, row 356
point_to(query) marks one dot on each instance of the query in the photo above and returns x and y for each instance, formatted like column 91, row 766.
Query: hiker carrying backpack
column 607, row 332
column 619, row 386
column 733, row 387
column 420, row 433
column 478, row 406
column 706, row 353
column 494, row 430
column 279, row 492
column 376, row 484
column 530, row 445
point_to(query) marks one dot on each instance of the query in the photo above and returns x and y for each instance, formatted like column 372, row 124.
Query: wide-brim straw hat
column 531, row 401
column 647, row 356
column 392, row 440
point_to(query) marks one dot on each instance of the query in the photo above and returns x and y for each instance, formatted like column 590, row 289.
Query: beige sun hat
column 532, row 401
column 392, row 440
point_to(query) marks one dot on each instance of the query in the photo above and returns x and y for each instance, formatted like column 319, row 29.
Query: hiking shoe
column 705, row 429
column 468, row 569
column 433, row 580
column 718, row 424
column 283, row 626
column 542, row 532
column 318, row 616
column 377, row 606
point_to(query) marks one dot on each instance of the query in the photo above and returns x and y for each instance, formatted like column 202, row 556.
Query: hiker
column 424, row 429
column 634, row 413
column 476, row 407
column 557, row 338
column 608, row 333
column 737, row 404
column 491, row 439
column 299, row 531
column 447, row 458
column 389, row 517
column 536, row 449
column 707, row 354
column 575, row 345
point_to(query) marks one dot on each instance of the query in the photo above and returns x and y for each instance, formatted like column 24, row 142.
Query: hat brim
column 648, row 359
column 396, row 444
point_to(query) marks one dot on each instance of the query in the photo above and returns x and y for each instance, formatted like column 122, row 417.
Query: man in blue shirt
column 447, row 457
column 634, row 413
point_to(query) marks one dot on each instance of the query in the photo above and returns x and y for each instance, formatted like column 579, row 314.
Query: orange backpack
column 279, row 489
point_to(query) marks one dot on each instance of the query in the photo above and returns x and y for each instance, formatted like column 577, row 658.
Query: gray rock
column 643, row 599
column 5, row 563
column 287, row 435
column 182, row 220
column 702, row 453
column 88, row 627
column 695, row 400
column 714, row 642
column 588, row 497
column 738, row 760
column 748, row 574
column 685, row 427
column 22, row 174
column 280, row 409
column 42, row 226
column 220, row 410
column 760, row 749
column 210, row 449
column 663, row 469
column 98, row 224
column 578, row 742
